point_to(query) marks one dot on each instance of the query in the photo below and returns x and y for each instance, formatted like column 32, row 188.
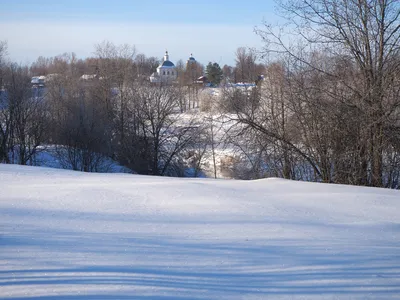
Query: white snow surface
column 72, row 235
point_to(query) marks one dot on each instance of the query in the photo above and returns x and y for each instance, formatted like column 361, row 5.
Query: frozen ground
column 71, row 235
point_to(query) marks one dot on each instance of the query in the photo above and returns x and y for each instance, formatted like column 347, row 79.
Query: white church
column 166, row 72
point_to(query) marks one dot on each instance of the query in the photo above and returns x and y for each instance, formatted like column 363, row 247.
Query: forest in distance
column 319, row 102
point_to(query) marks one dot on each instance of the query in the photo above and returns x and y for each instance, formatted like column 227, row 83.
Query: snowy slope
column 71, row 235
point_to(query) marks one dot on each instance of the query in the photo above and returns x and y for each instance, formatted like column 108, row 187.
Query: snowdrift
column 71, row 235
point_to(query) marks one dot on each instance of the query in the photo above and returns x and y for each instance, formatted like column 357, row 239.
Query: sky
column 211, row 30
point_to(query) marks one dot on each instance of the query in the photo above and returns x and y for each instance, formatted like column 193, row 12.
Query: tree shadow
column 52, row 263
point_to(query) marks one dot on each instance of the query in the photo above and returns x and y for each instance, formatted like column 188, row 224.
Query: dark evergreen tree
column 214, row 73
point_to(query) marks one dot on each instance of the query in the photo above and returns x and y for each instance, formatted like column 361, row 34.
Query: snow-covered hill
column 71, row 235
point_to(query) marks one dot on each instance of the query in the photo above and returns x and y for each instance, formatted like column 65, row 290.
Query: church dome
column 191, row 58
column 167, row 63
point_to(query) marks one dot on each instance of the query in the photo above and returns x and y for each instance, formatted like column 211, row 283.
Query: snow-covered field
column 71, row 235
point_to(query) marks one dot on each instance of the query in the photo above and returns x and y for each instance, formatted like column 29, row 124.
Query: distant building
column 38, row 81
column 39, row 84
column 202, row 80
column 88, row 77
column 166, row 72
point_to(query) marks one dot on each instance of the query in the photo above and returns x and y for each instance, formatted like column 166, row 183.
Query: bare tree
column 4, row 118
column 145, row 66
column 81, row 129
column 23, row 117
column 367, row 34
column 3, row 56
column 160, row 127
column 247, row 69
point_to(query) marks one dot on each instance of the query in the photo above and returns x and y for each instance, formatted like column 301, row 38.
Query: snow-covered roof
column 38, row 79
column 244, row 84
column 42, row 79
column 88, row 76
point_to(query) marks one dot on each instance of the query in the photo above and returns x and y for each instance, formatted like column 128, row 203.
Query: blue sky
column 211, row 30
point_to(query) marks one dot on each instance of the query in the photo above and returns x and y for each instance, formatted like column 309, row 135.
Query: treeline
column 87, row 111
column 329, row 106
column 326, row 109
column 140, row 64
column 113, row 112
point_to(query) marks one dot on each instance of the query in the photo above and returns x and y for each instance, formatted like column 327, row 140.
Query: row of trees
column 327, row 110
column 114, row 114
column 140, row 64
column 246, row 68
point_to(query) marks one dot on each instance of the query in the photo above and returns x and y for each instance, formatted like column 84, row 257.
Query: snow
column 72, row 235
column 38, row 79
column 53, row 156
column 88, row 76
